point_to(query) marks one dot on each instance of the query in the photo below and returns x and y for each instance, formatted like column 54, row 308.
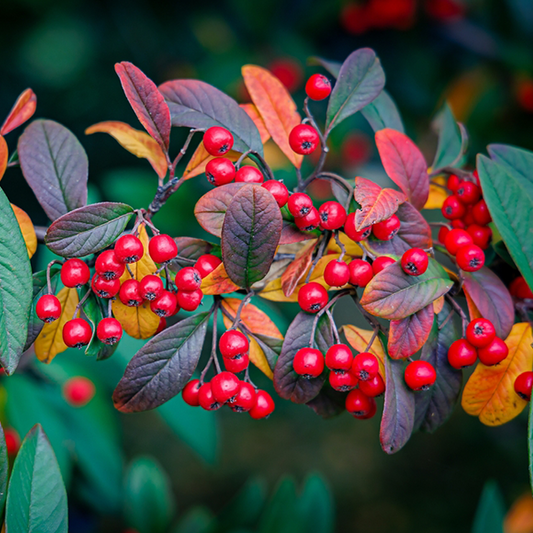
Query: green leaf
column 88, row 229
column 15, row 288
column 37, row 499
column 453, row 139
column 316, row 506
column 4, row 470
column 197, row 520
column 148, row 504
column 383, row 113
column 250, row 235
column 281, row 514
column 360, row 81
column 509, row 197
column 490, row 512
column 333, row 67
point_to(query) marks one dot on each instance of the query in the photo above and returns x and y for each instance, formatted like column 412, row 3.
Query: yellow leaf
column 50, row 341
column 218, row 282
column 437, row 194
column 4, row 156
column 134, row 141
column 352, row 248
column 358, row 339
column 519, row 519
column 27, row 229
column 438, row 305
column 489, row 393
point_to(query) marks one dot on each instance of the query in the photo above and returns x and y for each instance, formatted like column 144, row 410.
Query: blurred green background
column 475, row 53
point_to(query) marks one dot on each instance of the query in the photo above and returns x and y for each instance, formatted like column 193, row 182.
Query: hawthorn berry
column 336, row 273
column 105, row 288
column 309, row 222
column 349, row 229
column 206, row 398
column 312, row 297
column 481, row 235
column 381, row 263
column 188, row 279
column 386, row 229
column 48, row 308
column 420, row 375
column 78, row 391
column 453, row 182
column 220, row 171
column 237, row 364
column 162, row 248
column 225, row 386
column 218, row 141
column 129, row 249
column 12, row 439
column 481, row 214
column 278, row 190
column 332, row 215
column 108, row 265
column 373, row 387
column 493, row 353
column 151, row 287
column 263, row 406
column 249, row 174
column 520, row 289
column 130, row 293
column 342, row 381
column 75, row 273
column 233, row 343
column 77, row 333
column 164, row 305
column 457, row 238
column 318, row 87
column 365, row 366
column 308, row 362
column 244, row 399
column 299, row 204
column 361, row 273
column 358, row 404
column 458, row 223
column 523, row 384
column 190, row 393
column 304, row 139
column 470, row 258
column 453, row 208
column 339, row 358
column 480, row 332
column 206, row 263
column 189, row 300
column 109, row 331
column 415, row 261
column 468, row 192
column 461, row 354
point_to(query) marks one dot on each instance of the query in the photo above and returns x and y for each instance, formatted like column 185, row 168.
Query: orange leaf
column 276, row 107
column 294, row 272
column 253, row 113
column 23, row 110
column 27, row 229
column 473, row 311
column 4, row 156
column 519, row 519
column 218, row 282
column 438, row 305
column 489, row 393
column 437, row 194
column 134, row 141
column 358, row 339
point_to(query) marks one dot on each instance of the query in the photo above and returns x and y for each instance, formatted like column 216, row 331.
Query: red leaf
column 23, row 110
column 377, row 204
column 295, row 271
column 4, row 156
column 147, row 102
column 408, row 335
column 404, row 164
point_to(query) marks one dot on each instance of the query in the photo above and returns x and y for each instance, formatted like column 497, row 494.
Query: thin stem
column 81, row 302
column 109, row 307
column 242, row 158
column 325, row 239
column 458, row 309
column 340, row 245
column 298, row 175
column 450, row 170
column 244, row 301
column 264, row 165
column 40, row 232
column 312, row 120
column 333, row 327
column 132, row 275
column 435, row 184
column 183, row 150
column 439, row 225
column 366, row 251
column 249, row 379
column 48, row 268
column 372, row 339
column 212, row 357
column 325, row 309
column 368, row 317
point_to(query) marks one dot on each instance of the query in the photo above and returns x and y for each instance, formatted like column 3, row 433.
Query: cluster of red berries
column 520, row 289
column 469, row 216
column 225, row 387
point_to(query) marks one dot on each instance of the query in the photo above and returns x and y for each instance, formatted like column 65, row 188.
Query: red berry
column 130, row 293
column 12, row 441
column 458, row 224
column 77, row 333
column 481, row 235
column 339, row 357
column 453, row 182
column 278, row 190
column 520, row 289
column 75, row 273
column 206, row 399
column 360, row 273
column 475, row 175
column 105, row 288
column 188, row 279
column 387, row 229
column 420, row 375
column 220, row 171
column 337, row 273
column 151, row 287
column 523, row 384
column 206, row 263
column 109, row 331
column 245, row 398
column 318, row 87
column 288, row 71
column 48, row 308
column 299, row 204
column 108, row 266
column 493, row 353
column 189, row 300
column 237, row 364
column 481, row 213
column 233, row 343
column 162, row 325
column 162, row 248
column 190, row 393
column 218, row 141
column 480, row 332
column 332, row 215
column 304, row 139
column 461, row 354
column 415, row 261
column 225, row 386
column 249, row 174
column 263, row 407
column 349, row 229
column 129, row 249
column 165, row 305
column 452, row 208
column 467, row 220
column 365, row 366
column 78, row 391
column 468, row 192
column 359, row 404
column 309, row 222
column 373, row 387
column 457, row 238
column 308, row 362
column 382, row 262
column 470, row 258
column 342, row 381
column 312, row 297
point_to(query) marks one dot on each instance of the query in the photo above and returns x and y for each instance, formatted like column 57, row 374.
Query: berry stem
column 264, row 165
column 81, row 302
column 463, row 174
column 48, row 268
column 459, row 310
column 242, row 158
column 366, row 251
column 340, row 245
column 312, row 120
column 333, row 327
column 182, row 152
column 244, row 301
column 109, row 307
column 372, row 339
column 325, row 309
column 248, row 378
column 325, row 239
column 213, row 356
column 369, row 318
column 132, row 275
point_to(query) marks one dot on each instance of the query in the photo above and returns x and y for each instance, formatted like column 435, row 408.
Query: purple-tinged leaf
column 383, row 113
column 333, row 67
column 147, row 102
column 433, row 407
column 197, row 104
column 408, row 335
column 88, row 229
column 55, row 166
column 162, row 367
column 189, row 250
column 328, row 403
column 250, row 235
